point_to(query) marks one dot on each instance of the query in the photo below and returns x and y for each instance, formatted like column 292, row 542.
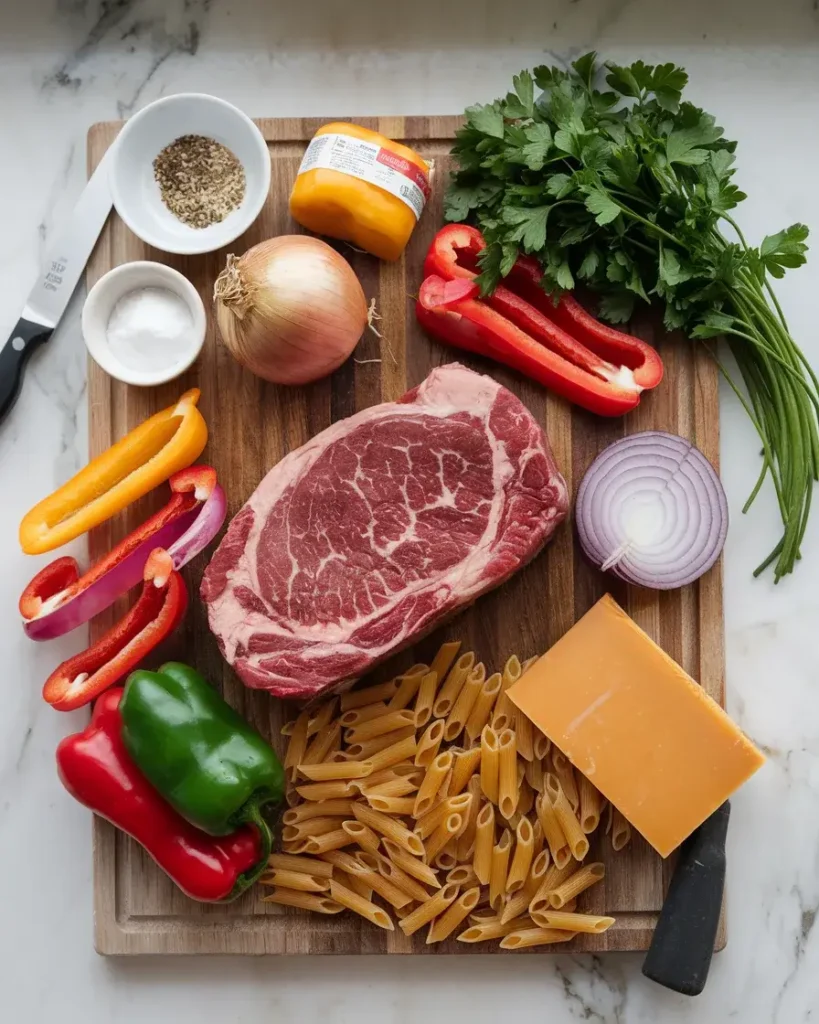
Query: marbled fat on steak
column 383, row 525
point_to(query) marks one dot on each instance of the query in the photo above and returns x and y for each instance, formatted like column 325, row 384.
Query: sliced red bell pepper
column 593, row 365
column 158, row 611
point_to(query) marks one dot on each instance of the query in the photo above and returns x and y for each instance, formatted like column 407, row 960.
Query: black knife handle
column 25, row 337
column 683, row 943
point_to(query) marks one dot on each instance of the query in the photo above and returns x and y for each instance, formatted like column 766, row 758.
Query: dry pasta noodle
column 391, row 804
column 500, row 865
column 369, row 695
column 353, row 882
column 552, row 832
column 429, row 744
column 518, row 903
column 331, row 772
column 358, row 716
column 465, row 702
column 425, row 698
column 295, row 880
column 436, row 773
column 408, row 687
column 322, row 718
column 287, row 728
column 329, row 841
column 553, row 878
column 483, row 913
column 466, row 840
column 588, row 923
column 339, row 756
column 590, row 802
column 446, row 859
column 526, row 799
column 484, row 843
column 297, row 745
column 323, row 744
column 489, row 764
column 525, row 734
column 538, row 841
column 361, row 835
column 502, row 721
column 367, row 749
column 570, row 826
column 464, row 766
column 485, row 930
column 374, row 780
column 584, row 878
column 533, row 773
column 309, row 828
column 364, row 908
column 508, row 786
column 509, row 676
column 427, row 911
column 453, row 917
column 295, row 847
column 482, row 708
column 522, row 858
column 367, row 871
column 541, row 746
column 402, row 750
column 399, row 878
column 442, row 662
column 427, row 823
column 440, row 837
column 463, row 875
column 325, row 790
column 527, row 937
column 620, row 831
column 307, row 865
column 390, row 828
column 565, row 773
column 291, row 797
column 342, row 860
column 455, row 679
column 414, row 867
column 304, row 901
column 392, row 721
column 317, row 809
column 395, row 787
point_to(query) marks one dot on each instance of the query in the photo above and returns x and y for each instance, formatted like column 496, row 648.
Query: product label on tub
column 369, row 162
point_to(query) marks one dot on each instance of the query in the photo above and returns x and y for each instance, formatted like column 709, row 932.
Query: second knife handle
column 24, row 338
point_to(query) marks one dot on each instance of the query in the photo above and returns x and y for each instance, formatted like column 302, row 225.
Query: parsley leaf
column 784, row 250
column 538, row 144
column 603, row 206
column 529, row 225
column 488, row 120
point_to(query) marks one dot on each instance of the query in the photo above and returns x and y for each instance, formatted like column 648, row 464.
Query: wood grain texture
column 253, row 425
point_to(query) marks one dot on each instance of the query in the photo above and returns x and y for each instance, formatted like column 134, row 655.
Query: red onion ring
column 651, row 509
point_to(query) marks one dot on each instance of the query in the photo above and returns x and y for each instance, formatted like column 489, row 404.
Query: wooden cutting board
column 252, row 426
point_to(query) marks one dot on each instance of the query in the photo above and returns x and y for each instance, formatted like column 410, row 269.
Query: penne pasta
column 361, row 835
column 620, row 831
column 317, row 809
column 390, row 722
column 287, row 728
column 538, row 842
column 465, row 702
column 438, row 770
column 343, row 860
column 295, row 880
column 369, row 695
column 304, row 901
column 448, row 828
column 307, row 865
column 338, row 757
column 310, row 828
column 442, row 662
column 533, row 773
column 518, row 902
column 408, row 685
column 340, row 789
column 466, row 840
column 541, row 746
column 464, row 766
column 553, row 878
column 322, row 718
column 528, row 937
column 429, row 744
column 522, row 858
column 485, row 930
column 446, row 859
column 526, row 799
column 463, row 875
column 564, row 771
column 353, row 882
column 489, row 764
column 391, row 804
column 364, row 908
column 502, row 721
column 291, row 797
column 427, row 823
column 504, row 706
column 329, row 841
column 390, row 828
column 295, row 847
column 323, row 744
column 402, row 750
column 331, row 772
column 297, row 745
column 394, row 787
column 587, row 923
column 429, row 910
column 425, row 698
column 411, row 865
column 484, row 843
column 524, row 730
column 500, row 865
column 590, row 804
column 508, row 789
column 451, row 687
column 361, row 715
column 584, row 878
column 367, row 749
column 569, row 825
column 552, row 832
column 367, row 871
column 401, row 880
column 454, row 916
column 482, row 708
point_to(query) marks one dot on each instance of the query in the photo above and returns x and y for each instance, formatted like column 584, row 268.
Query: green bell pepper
column 202, row 756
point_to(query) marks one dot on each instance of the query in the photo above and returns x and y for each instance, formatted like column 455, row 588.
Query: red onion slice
column 651, row 509
column 202, row 530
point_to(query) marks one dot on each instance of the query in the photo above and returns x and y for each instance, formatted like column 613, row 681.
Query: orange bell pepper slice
column 167, row 442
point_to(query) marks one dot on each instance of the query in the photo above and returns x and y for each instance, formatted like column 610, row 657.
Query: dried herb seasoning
column 200, row 180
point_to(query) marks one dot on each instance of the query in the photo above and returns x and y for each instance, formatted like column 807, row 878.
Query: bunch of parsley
column 623, row 191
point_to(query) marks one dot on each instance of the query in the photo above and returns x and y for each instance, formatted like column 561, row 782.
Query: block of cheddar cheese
column 636, row 725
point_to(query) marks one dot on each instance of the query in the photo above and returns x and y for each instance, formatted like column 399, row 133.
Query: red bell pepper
column 95, row 768
column 560, row 345
column 158, row 611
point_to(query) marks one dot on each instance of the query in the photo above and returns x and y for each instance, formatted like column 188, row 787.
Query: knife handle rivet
column 18, row 344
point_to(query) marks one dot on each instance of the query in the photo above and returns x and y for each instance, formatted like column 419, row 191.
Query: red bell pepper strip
column 158, row 611
column 624, row 364
column 95, row 768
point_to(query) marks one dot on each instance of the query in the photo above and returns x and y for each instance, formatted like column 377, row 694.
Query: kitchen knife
column 65, row 259
column 680, row 953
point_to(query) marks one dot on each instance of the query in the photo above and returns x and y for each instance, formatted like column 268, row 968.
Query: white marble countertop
column 67, row 63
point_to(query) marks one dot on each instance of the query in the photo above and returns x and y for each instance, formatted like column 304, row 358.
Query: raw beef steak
column 383, row 525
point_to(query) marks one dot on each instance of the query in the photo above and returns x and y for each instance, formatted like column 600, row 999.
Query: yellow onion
column 291, row 309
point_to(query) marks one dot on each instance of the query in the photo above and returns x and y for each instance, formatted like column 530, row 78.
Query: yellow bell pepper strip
column 169, row 441
column 360, row 186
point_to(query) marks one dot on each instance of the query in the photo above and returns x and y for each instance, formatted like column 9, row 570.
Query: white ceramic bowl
column 110, row 289
column 136, row 194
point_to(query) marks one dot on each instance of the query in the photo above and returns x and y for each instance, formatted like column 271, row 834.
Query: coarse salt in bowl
column 136, row 193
